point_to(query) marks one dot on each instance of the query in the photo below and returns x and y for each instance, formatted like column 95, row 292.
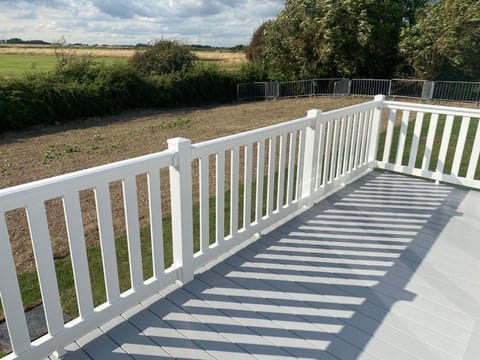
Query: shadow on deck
column 383, row 269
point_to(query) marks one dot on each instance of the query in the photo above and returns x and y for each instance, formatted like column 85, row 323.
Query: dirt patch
column 49, row 151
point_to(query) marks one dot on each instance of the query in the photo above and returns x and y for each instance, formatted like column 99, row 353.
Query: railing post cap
column 380, row 97
column 314, row 112
column 178, row 142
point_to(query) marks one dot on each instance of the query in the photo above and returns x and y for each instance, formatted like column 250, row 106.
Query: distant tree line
column 19, row 41
column 24, row 42
column 436, row 40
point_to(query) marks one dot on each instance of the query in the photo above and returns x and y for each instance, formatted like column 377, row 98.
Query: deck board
column 386, row 268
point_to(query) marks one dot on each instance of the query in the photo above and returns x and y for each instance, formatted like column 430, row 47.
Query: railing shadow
column 321, row 286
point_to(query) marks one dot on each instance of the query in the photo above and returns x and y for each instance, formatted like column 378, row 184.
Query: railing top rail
column 351, row 109
column 211, row 146
column 447, row 110
column 18, row 196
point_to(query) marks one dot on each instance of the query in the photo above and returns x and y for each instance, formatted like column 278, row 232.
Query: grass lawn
column 14, row 65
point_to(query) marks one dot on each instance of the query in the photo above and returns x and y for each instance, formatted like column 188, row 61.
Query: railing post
column 375, row 130
column 310, row 157
column 181, row 200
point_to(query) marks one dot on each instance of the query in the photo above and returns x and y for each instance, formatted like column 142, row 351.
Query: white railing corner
column 181, row 203
column 375, row 130
column 310, row 156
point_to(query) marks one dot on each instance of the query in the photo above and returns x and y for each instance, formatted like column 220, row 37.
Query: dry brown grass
column 237, row 57
column 213, row 55
column 48, row 50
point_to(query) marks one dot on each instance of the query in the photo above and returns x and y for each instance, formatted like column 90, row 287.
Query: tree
column 316, row 38
column 163, row 57
column 445, row 43
column 254, row 50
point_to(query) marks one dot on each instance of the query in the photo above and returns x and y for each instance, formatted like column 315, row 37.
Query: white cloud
column 209, row 22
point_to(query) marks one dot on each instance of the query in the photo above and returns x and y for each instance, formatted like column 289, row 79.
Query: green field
column 19, row 64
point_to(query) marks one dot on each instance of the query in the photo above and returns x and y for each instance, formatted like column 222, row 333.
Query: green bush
column 252, row 72
column 79, row 68
column 204, row 85
column 163, row 57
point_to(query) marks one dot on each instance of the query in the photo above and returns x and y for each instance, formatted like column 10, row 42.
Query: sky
column 128, row 22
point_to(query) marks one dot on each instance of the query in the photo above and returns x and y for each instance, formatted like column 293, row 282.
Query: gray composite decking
column 386, row 268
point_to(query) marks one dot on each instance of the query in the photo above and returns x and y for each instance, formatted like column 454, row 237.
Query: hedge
column 97, row 89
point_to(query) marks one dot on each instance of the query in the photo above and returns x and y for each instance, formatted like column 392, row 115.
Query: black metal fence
column 407, row 88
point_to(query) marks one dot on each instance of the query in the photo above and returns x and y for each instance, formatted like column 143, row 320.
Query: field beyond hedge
column 18, row 60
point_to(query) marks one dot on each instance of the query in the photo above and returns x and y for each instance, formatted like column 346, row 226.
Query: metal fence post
column 427, row 91
column 432, row 90
column 181, row 199
column 375, row 130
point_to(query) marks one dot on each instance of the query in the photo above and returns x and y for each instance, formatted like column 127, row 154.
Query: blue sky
column 208, row 22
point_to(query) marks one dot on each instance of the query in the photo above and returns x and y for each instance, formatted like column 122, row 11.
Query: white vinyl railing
column 435, row 142
column 268, row 175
